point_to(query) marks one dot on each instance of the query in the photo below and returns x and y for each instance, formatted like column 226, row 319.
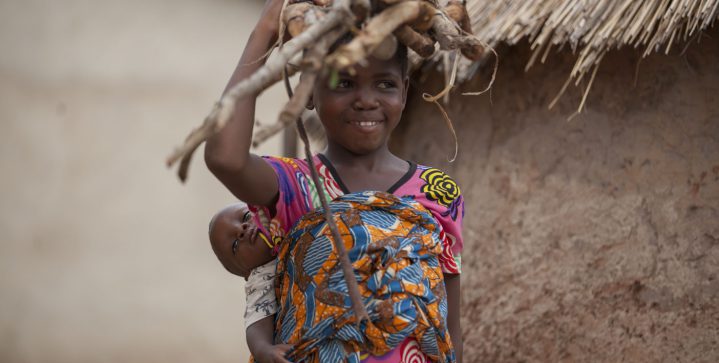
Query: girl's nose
column 365, row 99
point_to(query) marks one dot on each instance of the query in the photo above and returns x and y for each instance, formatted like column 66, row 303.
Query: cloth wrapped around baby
column 393, row 244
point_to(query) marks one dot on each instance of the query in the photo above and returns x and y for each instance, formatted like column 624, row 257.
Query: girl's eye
column 386, row 85
column 343, row 83
column 247, row 216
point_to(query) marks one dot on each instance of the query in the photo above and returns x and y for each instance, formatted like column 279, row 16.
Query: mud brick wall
column 590, row 240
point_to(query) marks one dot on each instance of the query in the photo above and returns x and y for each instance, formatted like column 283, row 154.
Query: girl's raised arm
column 227, row 153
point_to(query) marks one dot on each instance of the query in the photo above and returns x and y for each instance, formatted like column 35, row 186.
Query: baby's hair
column 214, row 216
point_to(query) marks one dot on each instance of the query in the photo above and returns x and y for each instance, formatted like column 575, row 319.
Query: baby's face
column 237, row 242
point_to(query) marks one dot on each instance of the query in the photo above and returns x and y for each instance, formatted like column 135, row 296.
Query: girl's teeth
column 368, row 123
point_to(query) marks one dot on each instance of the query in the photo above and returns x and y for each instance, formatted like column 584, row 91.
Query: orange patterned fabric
column 394, row 246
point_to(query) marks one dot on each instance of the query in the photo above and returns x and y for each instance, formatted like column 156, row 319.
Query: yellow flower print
column 440, row 187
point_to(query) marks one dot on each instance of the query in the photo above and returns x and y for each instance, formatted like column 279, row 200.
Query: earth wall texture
column 590, row 240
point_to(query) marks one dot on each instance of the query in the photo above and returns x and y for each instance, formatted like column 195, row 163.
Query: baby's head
column 238, row 243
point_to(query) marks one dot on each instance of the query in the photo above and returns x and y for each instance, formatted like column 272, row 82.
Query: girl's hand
column 273, row 354
column 270, row 17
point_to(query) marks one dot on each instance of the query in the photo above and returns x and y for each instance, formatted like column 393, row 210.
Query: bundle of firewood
column 424, row 26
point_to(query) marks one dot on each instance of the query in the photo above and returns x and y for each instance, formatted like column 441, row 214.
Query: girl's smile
column 360, row 113
column 367, row 123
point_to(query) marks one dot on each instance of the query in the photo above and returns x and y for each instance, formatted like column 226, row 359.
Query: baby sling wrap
column 393, row 244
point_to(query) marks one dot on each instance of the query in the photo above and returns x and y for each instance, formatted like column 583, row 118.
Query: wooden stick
column 201, row 134
column 448, row 36
column 322, row 3
column 293, row 109
column 294, row 17
column 422, row 44
column 386, row 49
column 259, row 81
column 315, row 56
column 379, row 27
column 457, row 12
column 423, row 23
column 347, row 269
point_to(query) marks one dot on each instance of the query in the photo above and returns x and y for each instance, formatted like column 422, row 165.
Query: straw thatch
column 590, row 27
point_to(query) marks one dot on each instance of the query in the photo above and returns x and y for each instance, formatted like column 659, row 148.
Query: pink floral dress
column 432, row 188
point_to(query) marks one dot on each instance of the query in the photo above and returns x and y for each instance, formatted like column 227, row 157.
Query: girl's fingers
column 281, row 350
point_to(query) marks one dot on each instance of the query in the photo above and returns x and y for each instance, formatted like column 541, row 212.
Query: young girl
column 358, row 116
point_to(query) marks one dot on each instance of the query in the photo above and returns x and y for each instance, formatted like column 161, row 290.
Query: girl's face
column 360, row 113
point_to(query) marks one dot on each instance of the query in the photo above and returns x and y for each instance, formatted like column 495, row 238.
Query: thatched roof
column 591, row 27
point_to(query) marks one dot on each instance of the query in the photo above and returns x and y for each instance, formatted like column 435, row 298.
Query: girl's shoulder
column 295, row 180
column 286, row 163
column 295, row 164
column 432, row 174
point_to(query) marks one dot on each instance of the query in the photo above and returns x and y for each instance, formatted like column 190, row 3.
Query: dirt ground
column 103, row 254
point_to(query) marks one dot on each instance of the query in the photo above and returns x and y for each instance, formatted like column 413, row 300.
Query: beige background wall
column 103, row 253
column 591, row 240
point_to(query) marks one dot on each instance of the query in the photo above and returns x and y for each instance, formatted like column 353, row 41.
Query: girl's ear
column 310, row 103
column 404, row 91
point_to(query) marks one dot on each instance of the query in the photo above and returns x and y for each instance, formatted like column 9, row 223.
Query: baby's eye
column 247, row 216
column 235, row 244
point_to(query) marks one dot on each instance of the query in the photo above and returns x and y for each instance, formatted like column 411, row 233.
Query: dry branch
column 259, row 81
column 423, row 22
column 345, row 264
column 294, row 17
column 322, row 3
column 386, row 48
column 457, row 12
column 293, row 109
column 411, row 21
column 379, row 27
column 449, row 37
column 422, row 44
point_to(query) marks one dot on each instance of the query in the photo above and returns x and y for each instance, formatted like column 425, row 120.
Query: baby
column 245, row 251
